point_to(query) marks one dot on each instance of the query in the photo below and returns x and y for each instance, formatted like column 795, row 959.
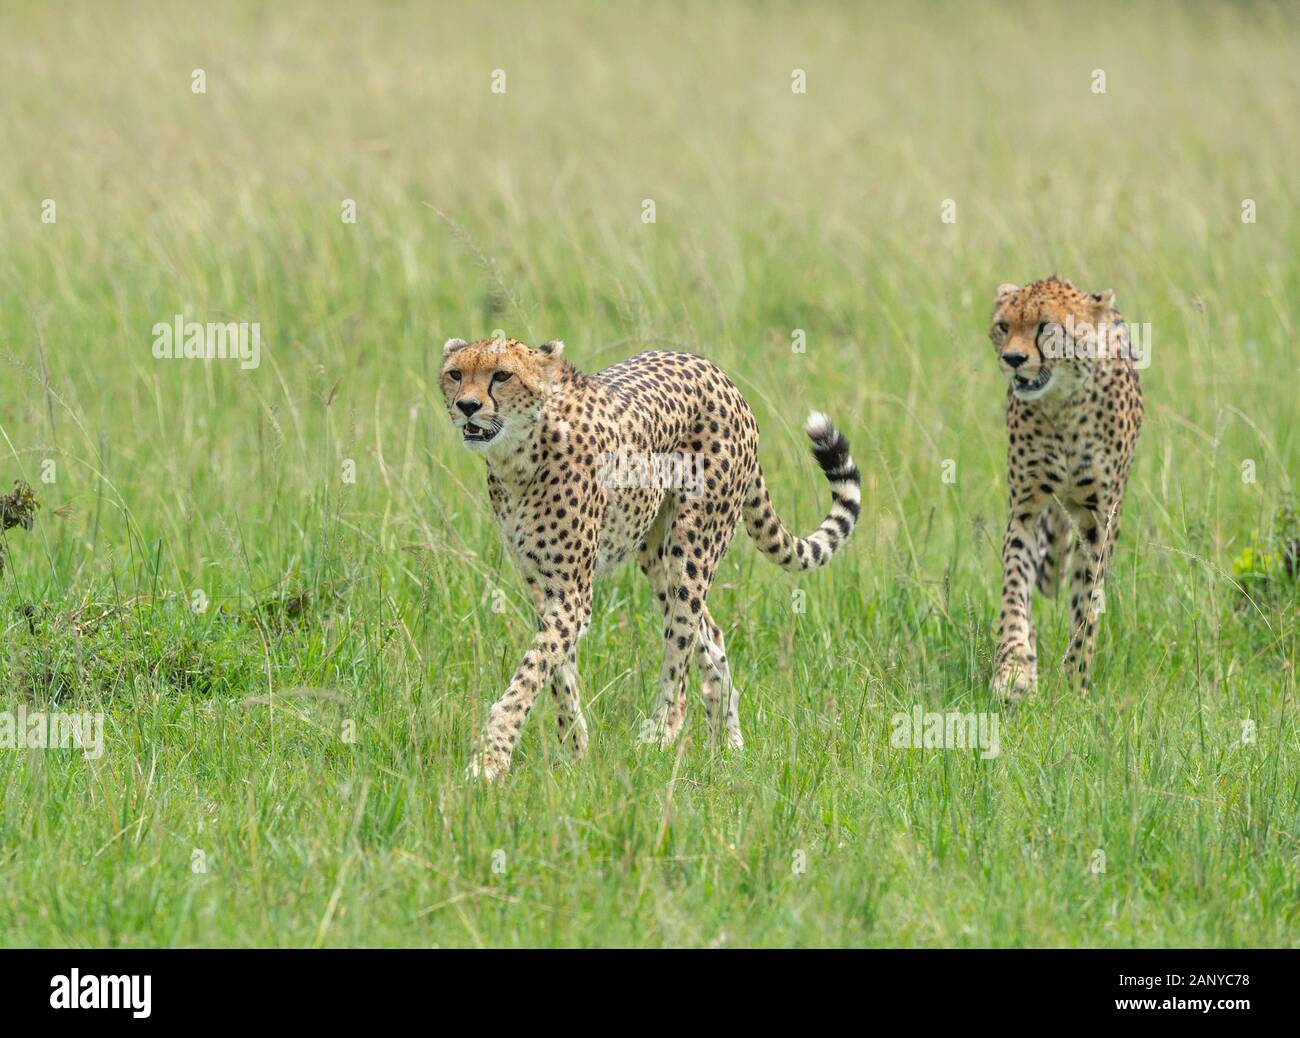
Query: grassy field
column 284, row 767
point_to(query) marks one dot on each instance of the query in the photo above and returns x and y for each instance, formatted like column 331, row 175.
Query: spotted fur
column 548, row 434
column 1074, row 411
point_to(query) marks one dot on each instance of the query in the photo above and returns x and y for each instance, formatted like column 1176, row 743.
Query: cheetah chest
column 1078, row 463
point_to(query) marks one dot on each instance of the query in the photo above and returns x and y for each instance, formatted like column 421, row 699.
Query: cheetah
column 1074, row 410
column 657, row 457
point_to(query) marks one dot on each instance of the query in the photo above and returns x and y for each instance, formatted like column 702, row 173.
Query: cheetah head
column 495, row 389
column 1046, row 336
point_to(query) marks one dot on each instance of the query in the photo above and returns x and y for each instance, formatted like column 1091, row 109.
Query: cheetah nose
column 468, row 407
column 1015, row 359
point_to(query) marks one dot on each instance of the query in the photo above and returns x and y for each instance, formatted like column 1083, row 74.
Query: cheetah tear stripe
column 797, row 554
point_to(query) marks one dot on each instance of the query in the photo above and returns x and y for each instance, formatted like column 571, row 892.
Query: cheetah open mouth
column 472, row 433
column 1025, row 385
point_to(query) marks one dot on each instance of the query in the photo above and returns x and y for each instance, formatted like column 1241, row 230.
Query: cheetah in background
column 548, row 434
column 1074, row 410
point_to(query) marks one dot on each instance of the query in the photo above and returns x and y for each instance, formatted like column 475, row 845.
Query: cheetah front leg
column 564, row 617
column 1016, row 662
column 570, row 725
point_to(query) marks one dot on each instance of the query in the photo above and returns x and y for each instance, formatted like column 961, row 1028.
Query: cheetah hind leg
column 721, row 697
column 697, row 539
column 650, row 557
column 569, row 721
column 1053, row 548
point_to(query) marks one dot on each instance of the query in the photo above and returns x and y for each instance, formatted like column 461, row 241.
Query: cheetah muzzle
column 1030, row 388
column 472, row 434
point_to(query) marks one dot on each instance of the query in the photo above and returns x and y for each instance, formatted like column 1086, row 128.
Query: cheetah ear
column 552, row 349
column 452, row 345
column 1103, row 300
column 1005, row 292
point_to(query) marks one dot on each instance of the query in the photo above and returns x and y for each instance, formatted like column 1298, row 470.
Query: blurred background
column 521, row 211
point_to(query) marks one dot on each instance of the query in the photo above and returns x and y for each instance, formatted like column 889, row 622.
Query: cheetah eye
column 1001, row 328
column 454, row 375
column 502, row 376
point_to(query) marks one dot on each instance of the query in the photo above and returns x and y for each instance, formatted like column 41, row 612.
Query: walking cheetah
column 1074, row 409
column 574, row 470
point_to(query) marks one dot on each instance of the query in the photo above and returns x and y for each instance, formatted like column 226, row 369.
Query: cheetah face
column 1045, row 337
column 494, row 389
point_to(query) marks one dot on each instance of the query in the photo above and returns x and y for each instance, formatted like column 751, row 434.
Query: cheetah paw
column 486, row 767
column 1015, row 680
column 575, row 739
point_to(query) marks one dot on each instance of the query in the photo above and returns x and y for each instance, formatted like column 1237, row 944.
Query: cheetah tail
column 831, row 450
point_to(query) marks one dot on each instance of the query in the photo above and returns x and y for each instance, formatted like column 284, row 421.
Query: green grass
column 369, row 604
